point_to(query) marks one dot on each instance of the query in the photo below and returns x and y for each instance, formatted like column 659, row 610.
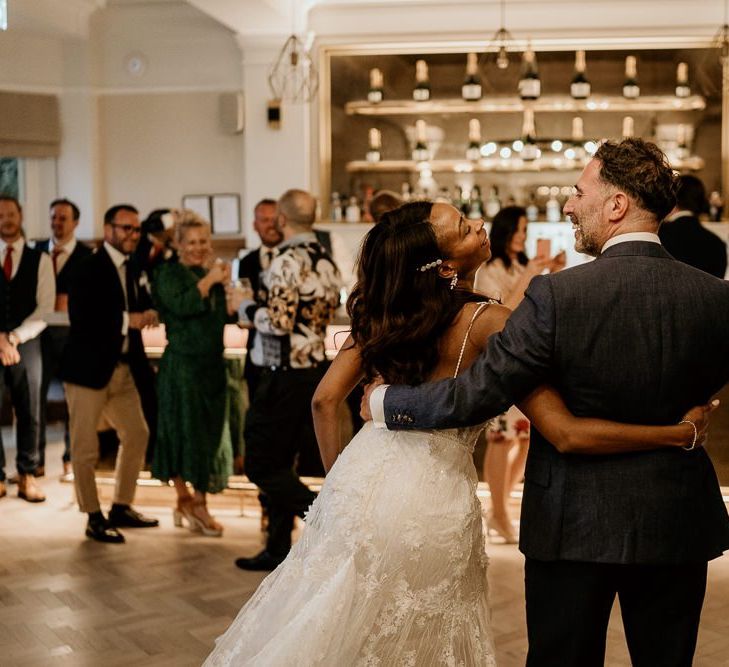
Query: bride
column 391, row 567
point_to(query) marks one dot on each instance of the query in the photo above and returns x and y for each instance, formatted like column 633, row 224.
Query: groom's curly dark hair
column 398, row 312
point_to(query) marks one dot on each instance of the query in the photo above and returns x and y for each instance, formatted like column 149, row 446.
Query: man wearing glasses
column 108, row 309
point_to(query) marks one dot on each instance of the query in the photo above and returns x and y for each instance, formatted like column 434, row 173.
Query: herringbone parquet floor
column 163, row 597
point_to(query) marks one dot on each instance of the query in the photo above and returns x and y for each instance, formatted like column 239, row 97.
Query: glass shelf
column 546, row 103
column 490, row 165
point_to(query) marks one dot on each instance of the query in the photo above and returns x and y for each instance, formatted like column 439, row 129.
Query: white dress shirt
column 119, row 259
column 45, row 291
column 65, row 252
column 377, row 397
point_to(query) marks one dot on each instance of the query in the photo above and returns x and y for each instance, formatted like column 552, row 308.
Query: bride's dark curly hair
column 399, row 313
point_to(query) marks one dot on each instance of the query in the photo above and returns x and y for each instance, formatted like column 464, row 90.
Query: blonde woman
column 192, row 444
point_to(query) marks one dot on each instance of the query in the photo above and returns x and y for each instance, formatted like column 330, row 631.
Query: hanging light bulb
column 3, row 15
column 500, row 41
column 293, row 77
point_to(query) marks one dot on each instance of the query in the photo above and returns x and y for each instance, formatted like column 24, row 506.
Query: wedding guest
column 66, row 253
column 382, row 202
column 303, row 293
column 683, row 235
column 193, row 445
column 155, row 244
column 505, row 277
column 104, row 356
column 27, row 290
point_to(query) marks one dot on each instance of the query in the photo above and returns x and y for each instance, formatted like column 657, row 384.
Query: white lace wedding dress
column 390, row 568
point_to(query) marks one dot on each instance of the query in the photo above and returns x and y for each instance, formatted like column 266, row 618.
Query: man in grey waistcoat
column 634, row 336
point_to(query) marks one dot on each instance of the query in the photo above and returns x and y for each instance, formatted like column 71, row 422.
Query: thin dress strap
column 465, row 339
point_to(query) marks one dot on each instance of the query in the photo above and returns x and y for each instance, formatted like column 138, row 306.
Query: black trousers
column 24, row 382
column 568, row 607
column 53, row 341
column 279, row 430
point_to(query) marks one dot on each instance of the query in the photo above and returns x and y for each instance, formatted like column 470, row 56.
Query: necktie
column 269, row 258
column 8, row 263
column 131, row 287
column 54, row 258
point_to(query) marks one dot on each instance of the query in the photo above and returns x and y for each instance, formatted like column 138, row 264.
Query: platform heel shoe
column 208, row 527
column 182, row 513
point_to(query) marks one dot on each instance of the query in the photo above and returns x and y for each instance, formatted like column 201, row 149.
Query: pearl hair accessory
column 430, row 265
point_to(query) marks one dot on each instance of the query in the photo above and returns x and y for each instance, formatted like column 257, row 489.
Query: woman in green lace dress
column 193, row 444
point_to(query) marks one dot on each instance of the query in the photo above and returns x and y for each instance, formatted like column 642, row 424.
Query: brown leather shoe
column 40, row 471
column 29, row 490
column 3, row 490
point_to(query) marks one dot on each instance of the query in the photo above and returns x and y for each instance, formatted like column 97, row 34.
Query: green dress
column 192, row 441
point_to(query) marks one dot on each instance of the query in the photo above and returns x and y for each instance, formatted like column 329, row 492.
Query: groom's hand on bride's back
column 364, row 406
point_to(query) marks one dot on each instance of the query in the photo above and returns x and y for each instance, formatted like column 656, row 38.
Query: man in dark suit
column 633, row 336
column 26, row 297
column 683, row 235
column 250, row 267
column 66, row 254
column 108, row 309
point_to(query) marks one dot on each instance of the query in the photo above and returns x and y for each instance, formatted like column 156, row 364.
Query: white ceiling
column 263, row 18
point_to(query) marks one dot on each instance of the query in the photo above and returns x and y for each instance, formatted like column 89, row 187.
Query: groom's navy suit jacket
column 634, row 336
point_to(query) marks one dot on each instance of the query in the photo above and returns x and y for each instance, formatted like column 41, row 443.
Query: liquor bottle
column 405, row 192
column 473, row 152
column 580, row 87
column 369, row 193
column 374, row 96
column 530, row 85
column 471, row 89
column 532, row 210
column 336, row 208
column 493, row 203
column 421, row 92
column 631, row 89
column 352, row 213
column 716, row 206
column 554, row 210
column 420, row 152
column 375, row 139
column 530, row 151
column 682, row 81
column 459, row 201
column 577, row 149
column 628, row 127
column 475, row 205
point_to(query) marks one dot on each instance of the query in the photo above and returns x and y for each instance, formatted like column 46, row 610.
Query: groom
column 635, row 336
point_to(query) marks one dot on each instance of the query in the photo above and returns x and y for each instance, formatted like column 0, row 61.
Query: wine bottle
column 420, row 152
column 375, row 140
column 554, row 210
column 628, row 127
column 336, row 208
column 475, row 205
column 530, row 151
column 577, row 150
column 493, row 203
column 682, row 150
column 473, row 152
column 682, row 81
column 532, row 210
column 421, row 92
column 530, row 85
column 471, row 89
column 631, row 89
column 374, row 96
column 580, row 87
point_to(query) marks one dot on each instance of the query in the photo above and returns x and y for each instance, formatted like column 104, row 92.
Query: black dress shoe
column 102, row 531
column 126, row 517
column 262, row 562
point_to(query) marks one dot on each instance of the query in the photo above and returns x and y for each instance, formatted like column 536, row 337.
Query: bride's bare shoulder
column 490, row 320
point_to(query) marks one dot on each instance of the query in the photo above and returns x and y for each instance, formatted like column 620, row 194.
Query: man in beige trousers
column 107, row 309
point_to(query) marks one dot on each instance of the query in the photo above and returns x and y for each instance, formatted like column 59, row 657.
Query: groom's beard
column 586, row 238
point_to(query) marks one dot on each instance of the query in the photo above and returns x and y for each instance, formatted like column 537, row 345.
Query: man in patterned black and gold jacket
column 303, row 293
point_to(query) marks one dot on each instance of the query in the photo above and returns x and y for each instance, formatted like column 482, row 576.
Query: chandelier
column 501, row 40
column 293, row 77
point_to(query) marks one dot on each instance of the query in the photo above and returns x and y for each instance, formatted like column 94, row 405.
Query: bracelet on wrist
column 696, row 434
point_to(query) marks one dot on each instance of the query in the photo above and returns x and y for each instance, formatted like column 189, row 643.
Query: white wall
column 161, row 146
